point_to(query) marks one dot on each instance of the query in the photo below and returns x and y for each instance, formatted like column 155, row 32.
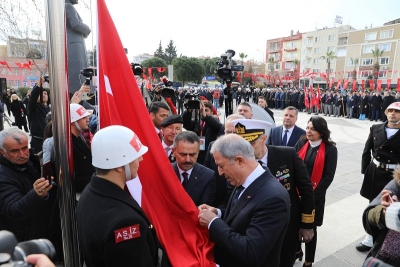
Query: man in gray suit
column 77, row 31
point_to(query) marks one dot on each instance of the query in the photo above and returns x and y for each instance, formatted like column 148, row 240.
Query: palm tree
column 242, row 56
column 377, row 53
column 354, row 62
column 271, row 61
column 295, row 64
column 329, row 57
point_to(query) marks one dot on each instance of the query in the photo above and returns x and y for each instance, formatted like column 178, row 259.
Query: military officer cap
column 171, row 120
column 251, row 130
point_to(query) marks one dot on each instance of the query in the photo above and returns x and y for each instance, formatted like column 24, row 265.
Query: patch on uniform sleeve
column 127, row 233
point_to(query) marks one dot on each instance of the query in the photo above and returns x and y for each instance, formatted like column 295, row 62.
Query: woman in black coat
column 320, row 157
column 19, row 112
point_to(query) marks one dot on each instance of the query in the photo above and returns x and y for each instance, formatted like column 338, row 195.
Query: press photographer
column 205, row 125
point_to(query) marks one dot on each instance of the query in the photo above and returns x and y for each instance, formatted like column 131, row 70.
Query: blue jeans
column 215, row 103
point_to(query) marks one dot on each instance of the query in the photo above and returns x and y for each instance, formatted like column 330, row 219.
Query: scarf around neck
column 319, row 163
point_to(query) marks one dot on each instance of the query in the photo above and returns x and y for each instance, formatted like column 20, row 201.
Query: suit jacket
column 201, row 184
column 105, row 202
column 384, row 150
column 275, row 136
column 251, row 234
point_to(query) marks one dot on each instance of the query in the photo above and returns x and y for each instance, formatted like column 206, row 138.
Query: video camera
column 167, row 91
column 137, row 69
column 88, row 73
column 192, row 100
column 13, row 253
column 225, row 68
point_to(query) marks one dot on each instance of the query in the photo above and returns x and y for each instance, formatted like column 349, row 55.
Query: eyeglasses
column 393, row 110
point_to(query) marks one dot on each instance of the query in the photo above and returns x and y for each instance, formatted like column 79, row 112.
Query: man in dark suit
column 288, row 134
column 384, row 144
column 287, row 167
column 198, row 181
column 251, row 230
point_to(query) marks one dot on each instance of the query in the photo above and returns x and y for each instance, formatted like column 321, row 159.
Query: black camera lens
column 37, row 246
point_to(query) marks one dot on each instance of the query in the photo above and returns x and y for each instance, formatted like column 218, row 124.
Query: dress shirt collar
column 189, row 172
column 252, row 177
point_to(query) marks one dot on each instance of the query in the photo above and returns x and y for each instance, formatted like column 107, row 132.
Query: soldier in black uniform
column 290, row 171
column 170, row 128
column 113, row 229
column 384, row 144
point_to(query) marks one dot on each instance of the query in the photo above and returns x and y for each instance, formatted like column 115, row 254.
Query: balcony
column 342, row 43
column 290, row 49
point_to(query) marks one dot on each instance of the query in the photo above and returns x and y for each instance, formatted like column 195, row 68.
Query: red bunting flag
column 371, row 84
column 363, row 84
column 150, row 71
column 354, row 85
column 389, row 81
column 120, row 103
column 379, row 85
column 312, row 96
column 5, row 64
column 331, row 83
column 346, row 82
column 338, row 84
column 318, row 98
column 306, row 102
column 398, row 84
column 161, row 69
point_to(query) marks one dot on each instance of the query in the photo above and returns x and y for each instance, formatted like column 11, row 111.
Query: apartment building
column 141, row 57
column 359, row 44
column 317, row 44
column 19, row 48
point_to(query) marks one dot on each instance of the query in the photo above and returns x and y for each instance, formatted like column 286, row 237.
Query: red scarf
column 319, row 163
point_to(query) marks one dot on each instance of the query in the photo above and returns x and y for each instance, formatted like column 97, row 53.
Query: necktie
column 185, row 179
column 262, row 164
column 284, row 139
column 167, row 149
column 160, row 135
column 237, row 194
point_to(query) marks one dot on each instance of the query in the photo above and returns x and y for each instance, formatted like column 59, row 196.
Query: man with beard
column 158, row 111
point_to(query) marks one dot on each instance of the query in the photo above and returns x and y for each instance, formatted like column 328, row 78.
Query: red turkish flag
column 164, row 200
column 371, row 84
column 338, row 84
column 389, row 81
column 379, row 84
column 150, row 71
column 331, row 83
column 398, row 84
column 318, row 98
column 354, row 85
column 312, row 96
column 346, row 82
column 363, row 84
column 161, row 69
column 239, row 76
column 306, row 102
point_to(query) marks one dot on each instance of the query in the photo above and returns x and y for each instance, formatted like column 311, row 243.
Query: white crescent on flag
column 108, row 86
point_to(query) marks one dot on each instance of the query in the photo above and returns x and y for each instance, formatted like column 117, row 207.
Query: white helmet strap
column 127, row 172
column 77, row 126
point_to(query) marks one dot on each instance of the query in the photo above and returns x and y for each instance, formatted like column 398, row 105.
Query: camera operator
column 38, row 107
column 207, row 130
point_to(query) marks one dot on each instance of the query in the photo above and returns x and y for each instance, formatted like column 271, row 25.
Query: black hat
column 171, row 120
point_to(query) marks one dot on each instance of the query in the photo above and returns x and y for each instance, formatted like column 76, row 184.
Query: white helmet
column 394, row 105
column 78, row 112
column 115, row 146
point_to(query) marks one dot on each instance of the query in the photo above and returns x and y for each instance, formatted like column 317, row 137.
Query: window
column 17, row 83
column 385, row 47
column 278, row 66
column 309, row 41
column 318, row 39
column 291, row 45
column 23, row 72
column 288, row 65
column 370, row 36
column 32, row 83
column 386, row 34
column 317, row 50
column 330, row 49
column 341, row 52
column 365, row 74
column 277, row 56
column 32, row 73
column 317, row 61
column 367, row 61
column 3, row 71
column 331, row 37
column 382, row 74
column 383, row 60
column 11, row 82
column 350, row 62
column 16, row 71
column 315, row 70
column 25, row 83
column 368, row 49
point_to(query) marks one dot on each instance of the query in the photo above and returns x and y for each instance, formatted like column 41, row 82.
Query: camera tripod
column 8, row 120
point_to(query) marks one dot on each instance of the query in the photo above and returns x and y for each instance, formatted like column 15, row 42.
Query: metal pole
column 58, row 72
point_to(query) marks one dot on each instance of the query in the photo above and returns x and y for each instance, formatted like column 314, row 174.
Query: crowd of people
column 259, row 191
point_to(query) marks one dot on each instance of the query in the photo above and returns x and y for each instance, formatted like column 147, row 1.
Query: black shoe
column 304, row 265
column 299, row 255
column 362, row 248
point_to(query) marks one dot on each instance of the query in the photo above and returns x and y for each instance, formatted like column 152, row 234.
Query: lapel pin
column 195, row 178
column 248, row 197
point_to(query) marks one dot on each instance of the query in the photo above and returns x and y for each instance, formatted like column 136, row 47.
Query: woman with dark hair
column 19, row 112
column 319, row 154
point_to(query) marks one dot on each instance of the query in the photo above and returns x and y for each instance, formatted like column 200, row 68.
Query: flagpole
column 58, row 72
